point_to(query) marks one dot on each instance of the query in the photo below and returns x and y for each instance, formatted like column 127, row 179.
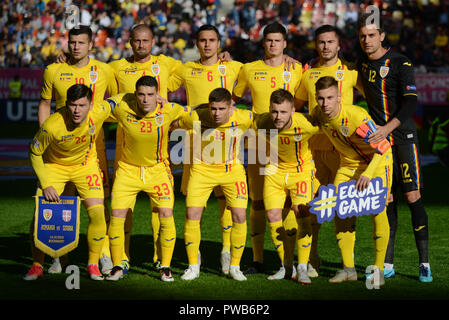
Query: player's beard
column 286, row 125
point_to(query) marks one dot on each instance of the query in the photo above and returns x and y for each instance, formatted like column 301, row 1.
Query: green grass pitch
column 143, row 282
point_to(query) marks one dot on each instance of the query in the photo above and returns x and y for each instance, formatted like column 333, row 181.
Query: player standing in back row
column 262, row 77
column 390, row 91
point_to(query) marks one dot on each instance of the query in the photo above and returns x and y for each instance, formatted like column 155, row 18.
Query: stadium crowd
column 32, row 33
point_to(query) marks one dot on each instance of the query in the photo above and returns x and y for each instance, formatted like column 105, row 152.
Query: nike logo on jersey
column 98, row 239
column 306, row 245
column 419, row 228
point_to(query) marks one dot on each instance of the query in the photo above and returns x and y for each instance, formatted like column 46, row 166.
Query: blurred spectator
column 33, row 32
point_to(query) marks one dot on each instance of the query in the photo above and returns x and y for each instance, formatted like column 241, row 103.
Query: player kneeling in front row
column 225, row 125
column 293, row 175
column 345, row 126
column 63, row 150
column 143, row 166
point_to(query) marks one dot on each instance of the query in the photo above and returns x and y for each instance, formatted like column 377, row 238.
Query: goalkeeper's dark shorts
column 406, row 167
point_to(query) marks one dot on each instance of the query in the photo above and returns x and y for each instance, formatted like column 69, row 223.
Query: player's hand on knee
column 51, row 194
column 362, row 183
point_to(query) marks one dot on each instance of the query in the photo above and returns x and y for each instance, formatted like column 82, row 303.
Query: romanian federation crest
column 233, row 131
column 339, row 75
column 344, row 130
column 155, row 69
column 222, row 69
column 47, row 214
column 159, row 120
column 286, row 76
column 384, row 71
column 56, row 225
column 93, row 76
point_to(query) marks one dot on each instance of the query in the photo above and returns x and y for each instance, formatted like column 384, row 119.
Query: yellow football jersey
column 347, row 80
column 262, row 79
column 292, row 143
column 341, row 131
column 58, row 145
column 146, row 138
column 128, row 72
column 59, row 77
column 199, row 80
column 345, row 75
column 220, row 145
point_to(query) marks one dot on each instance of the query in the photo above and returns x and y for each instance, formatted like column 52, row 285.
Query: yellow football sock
column 257, row 230
column 345, row 234
column 291, row 228
column 117, row 239
column 167, row 239
column 106, row 249
column 192, row 239
column 277, row 233
column 238, row 242
column 96, row 232
column 381, row 233
column 155, row 226
column 304, row 240
column 226, row 224
column 346, row 241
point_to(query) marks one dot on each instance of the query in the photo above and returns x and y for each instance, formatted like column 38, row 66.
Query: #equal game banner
column 345, row 201
column 56, row 226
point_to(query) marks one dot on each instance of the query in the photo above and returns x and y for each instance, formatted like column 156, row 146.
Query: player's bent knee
column 93, row 202
column 194, row 213
column 119, row 213
column 165, row 212
column 238, row 215
column 274, row 215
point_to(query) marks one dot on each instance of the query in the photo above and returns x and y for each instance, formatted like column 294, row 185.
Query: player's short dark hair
column 325, row 83
column 280, row 95
column 275, row 27
column 327, row 28
column 139, row 27
column 367, row 18
column 147, row 81
column 208, row 27
column 220, row 95
column 81, row 29
column 78, row 91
